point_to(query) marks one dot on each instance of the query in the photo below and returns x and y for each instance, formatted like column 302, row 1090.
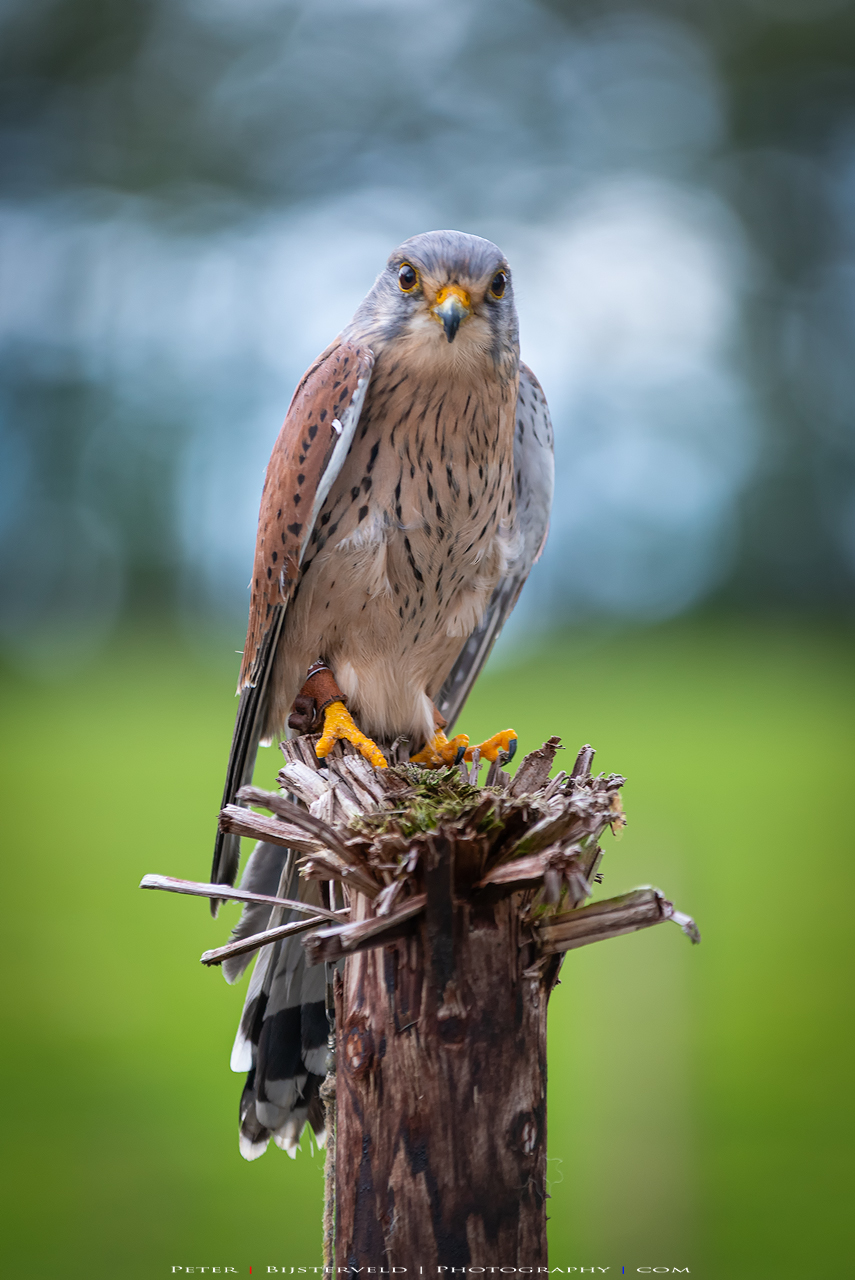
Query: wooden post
column 441, row 1092
column 460, row 902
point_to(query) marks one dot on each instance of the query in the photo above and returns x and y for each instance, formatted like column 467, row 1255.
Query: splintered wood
column 372, row 829
column 451, row 905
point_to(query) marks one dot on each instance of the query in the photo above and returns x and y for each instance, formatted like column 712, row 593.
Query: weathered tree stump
column 441, row 1090
column 459, row 902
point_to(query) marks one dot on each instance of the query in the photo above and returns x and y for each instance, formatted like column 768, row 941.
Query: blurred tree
column 149, row 148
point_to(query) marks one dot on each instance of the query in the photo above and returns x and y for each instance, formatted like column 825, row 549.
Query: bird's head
column 448, row 296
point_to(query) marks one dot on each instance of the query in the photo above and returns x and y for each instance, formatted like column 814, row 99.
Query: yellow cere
column 453, row 291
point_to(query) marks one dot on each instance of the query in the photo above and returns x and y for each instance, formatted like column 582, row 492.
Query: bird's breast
column 414, row 534
column 428, row 484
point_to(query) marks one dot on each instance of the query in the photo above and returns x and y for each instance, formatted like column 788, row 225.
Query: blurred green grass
column 699, row 1097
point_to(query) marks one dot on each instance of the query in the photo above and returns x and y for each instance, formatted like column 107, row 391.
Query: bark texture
column 441, row 1125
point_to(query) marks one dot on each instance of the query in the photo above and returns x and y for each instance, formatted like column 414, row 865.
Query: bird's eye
column 497, row 284
column 408, row 277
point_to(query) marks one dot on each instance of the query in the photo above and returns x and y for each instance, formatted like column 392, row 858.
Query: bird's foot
column 505, row 741
column 338, row 725
column 441, row 751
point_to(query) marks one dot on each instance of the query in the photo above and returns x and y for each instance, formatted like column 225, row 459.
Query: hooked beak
column 452, row 305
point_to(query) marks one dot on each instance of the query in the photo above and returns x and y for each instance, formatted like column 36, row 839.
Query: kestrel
column 406, row 500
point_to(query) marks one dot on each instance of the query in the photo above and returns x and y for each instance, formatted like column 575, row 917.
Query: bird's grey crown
column 454, row 252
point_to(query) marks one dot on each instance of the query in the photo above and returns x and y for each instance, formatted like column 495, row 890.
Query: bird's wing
column 534, row 474
column 307, row 457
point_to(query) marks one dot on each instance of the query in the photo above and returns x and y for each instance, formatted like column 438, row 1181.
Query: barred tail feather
column 262, row 874
column 281, row 1041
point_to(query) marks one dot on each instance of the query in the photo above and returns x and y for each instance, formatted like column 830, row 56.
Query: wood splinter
column 461, row 902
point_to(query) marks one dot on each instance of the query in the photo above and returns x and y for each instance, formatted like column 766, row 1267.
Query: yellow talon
column 505, row 741
column 338, row 724
column 440, row 751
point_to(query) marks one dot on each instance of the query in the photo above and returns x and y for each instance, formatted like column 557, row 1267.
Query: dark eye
column 497, row 284
column 408, row 277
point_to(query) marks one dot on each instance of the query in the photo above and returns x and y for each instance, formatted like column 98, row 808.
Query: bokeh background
column 195, row 196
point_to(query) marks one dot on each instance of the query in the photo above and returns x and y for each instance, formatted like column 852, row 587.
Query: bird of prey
column 406, row 499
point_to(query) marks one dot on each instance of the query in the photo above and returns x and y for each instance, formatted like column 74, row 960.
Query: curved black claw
column 461, row 752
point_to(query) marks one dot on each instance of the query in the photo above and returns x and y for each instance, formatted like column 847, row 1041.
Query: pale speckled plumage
column 389, row 542
column 424, row 519
column 423, row 507
column 534, row 474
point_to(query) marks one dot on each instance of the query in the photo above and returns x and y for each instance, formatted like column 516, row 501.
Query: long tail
column 282, row 1039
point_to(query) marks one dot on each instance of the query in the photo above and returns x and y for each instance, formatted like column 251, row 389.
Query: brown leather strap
column 319, row 690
